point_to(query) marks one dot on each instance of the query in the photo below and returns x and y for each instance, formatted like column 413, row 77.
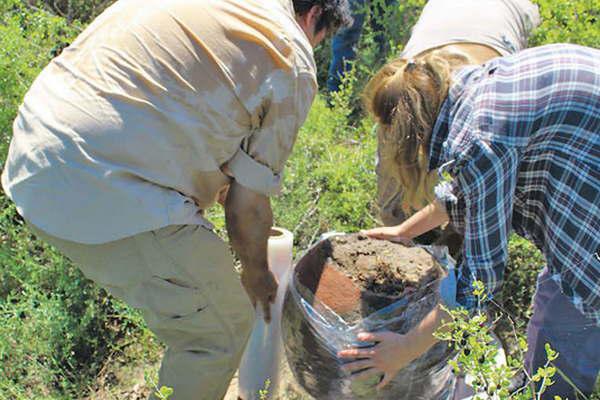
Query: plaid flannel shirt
column 519, row 138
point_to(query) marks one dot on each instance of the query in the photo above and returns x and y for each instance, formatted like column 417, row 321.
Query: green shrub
column 477, row 356
column 397, row 19
column 568, row 21
column 58, row 328
column 74, row 10
column 525, row 262
column 28, row 40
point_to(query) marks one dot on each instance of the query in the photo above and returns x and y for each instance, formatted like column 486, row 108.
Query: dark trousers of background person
column 344, row 43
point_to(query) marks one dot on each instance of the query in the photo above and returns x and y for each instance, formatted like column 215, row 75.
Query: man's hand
column 249, row 219
column 261, row 287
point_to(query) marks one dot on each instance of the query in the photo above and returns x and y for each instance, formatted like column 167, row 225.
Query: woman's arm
column 421, row 222
column 487, row 183
column 393, row 351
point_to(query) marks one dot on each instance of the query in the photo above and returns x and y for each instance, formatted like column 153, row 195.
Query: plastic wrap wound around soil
column 347, row 284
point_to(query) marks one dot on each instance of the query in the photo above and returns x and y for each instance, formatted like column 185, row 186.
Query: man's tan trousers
column 182, row 279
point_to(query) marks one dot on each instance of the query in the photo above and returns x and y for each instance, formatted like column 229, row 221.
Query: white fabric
column 503, row 25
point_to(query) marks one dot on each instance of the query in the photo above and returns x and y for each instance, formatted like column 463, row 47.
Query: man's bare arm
column 249, row 220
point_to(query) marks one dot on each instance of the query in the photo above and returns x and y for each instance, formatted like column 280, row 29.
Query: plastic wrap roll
column 313, row 333
column 281, row 243
column 262, row 357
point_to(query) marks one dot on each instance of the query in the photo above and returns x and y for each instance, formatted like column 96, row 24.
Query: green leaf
column 165, row 392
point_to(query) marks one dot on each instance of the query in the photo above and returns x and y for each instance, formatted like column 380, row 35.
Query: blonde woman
column 478, row 29
column 518, row 143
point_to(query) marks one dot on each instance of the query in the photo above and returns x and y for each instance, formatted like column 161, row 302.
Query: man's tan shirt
column 131, row 128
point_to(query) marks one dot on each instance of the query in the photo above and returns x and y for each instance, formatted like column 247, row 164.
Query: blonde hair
column 405, row 97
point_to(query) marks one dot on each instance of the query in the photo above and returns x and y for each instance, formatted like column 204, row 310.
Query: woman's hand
column 391, row 233
column 422, row 221
column 391, row 353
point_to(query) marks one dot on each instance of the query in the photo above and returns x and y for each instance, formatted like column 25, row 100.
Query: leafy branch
column 470, row 335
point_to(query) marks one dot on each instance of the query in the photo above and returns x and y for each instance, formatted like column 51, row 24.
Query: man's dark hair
column 335, row 14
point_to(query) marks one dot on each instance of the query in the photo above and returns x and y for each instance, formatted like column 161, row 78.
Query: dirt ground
column 288, row 388
column 125, row 380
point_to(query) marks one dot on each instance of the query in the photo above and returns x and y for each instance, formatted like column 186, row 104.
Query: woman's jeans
column 556, row 321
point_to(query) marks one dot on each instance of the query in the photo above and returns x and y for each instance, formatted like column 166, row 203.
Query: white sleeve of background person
column 503, row 25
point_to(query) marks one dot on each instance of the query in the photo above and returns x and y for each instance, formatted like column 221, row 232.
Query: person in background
column 343, row 44
column 517, row 141
column 157, row 110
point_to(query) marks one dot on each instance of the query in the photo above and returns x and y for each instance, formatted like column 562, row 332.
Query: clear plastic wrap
column 313, row 334
column 262, row 358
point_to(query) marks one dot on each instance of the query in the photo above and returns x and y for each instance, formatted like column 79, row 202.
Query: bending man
column 156, row 110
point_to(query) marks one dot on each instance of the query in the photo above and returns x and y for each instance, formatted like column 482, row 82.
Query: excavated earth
column 355, row 275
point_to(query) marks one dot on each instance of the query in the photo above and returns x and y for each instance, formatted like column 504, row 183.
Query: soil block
column 355, row 276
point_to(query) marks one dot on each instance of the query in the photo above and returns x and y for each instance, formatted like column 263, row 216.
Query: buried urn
column 350, row 283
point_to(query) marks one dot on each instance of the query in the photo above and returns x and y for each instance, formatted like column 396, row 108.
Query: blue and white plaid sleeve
column 480, row 199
